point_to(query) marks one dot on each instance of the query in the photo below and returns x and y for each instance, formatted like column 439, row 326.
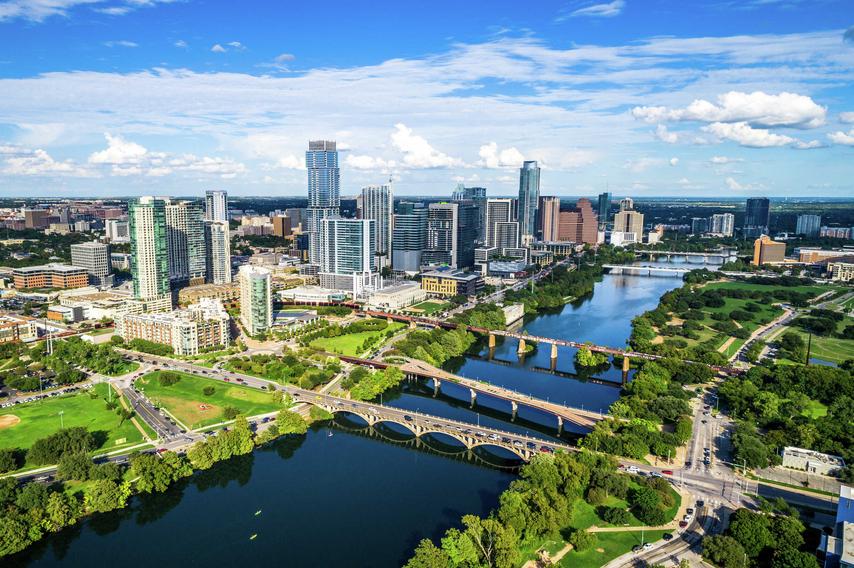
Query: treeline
column 359, row 326
column 652, row 415
column 487, row 316
column 367, row 385
column 287, row 368
column 561, row 286
column 435, row 346
column 772, row 404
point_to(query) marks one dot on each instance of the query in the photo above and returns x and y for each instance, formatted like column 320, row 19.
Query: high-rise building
column 149, row 253
column 603, row 209
column 348, row 255
column 477, row 195
column 216, row 205
column 281, row 226
column 722, row 224
column 324, row 194
column 256, row 299
column 297, row 217
column 506, row 235
column 218, row 245
column 699, row 225
column 409, row 236
column 766, row 251
column 757, row 217
column 185, row 238
column 378, row 205
column 808, row 225
column 116, row 230
column 549, row 218
column 628, row 223
column 579, row 226
column 95, row 258
column 529, row 200
column 450, row 234
column 498, row 210
column 36, row 218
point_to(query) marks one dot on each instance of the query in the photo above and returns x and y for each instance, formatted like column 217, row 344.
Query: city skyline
column 620, row 96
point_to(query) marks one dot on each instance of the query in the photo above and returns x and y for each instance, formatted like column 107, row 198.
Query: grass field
column 833, row 349
column 41, row 418
column 186, row 401
column 351, row 343
column 815, row 409
column 608, row 546
column 429, row 307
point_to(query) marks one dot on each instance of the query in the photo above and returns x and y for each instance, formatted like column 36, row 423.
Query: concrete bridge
column 723, row 255
column 634, row 270
column 470, row 436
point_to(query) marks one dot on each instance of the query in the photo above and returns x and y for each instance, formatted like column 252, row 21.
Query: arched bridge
column 420, row 424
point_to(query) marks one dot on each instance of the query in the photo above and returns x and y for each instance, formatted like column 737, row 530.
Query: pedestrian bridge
column 470, row 436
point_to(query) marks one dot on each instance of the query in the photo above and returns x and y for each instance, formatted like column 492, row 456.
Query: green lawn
column 815, row 410
column 351, row 343
column 186, row 401
column 429, row 307
column 608, row 546
column 833, row 349
column 41, row 418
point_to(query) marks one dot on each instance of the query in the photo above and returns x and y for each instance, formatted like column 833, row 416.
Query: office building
column 324, row 198
column 581, row 225
column 529, row 200
column 216, row 205
column 840, row 271
column 549, row 218
column 766, row 251
column 835, row 232
column 256, row 299
column 506, row 235
column 185, row 243
column 757, row 217
column 117, row 231
column 603, row 209
column 699, row 225
column 811, row 255
column 838, row 548
column 189, row 331
column 450, row 235
column 477, row 196
column 149, row 253
column 812, row 461
column 497, row 211
column 628, row 222
column 398, row 296
column 808, row 225
column 722, row 224
column 282, row 226
column 378, row 206
column 36, row 218
column 297, row 217
column 409, row 237
column 448, row 283
column 95, row 258
column 218, row 258
column 348, row 255
column 51, row 275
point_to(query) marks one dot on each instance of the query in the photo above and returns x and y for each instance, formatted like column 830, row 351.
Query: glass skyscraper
column 149, row 255
column 410, row 236
column 324, row 192
column 808, row 225
column 529, row 200
column 603, row 209
column 757, row 216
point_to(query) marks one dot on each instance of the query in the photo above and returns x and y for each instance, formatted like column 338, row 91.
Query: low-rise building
column 17, row 328
column 767, row 251
column 188, row 331
column 449, row 282
column 52, row 275
column 65, row 314
column 312, row 295
column 397, row 296
column 809, row 255
column 811, row 461
column 507, row 269
column 840, row 271
column 98, row 305
column 542, row 257
column 228, row 294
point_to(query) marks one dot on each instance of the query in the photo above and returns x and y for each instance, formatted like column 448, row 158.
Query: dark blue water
column 362, row 497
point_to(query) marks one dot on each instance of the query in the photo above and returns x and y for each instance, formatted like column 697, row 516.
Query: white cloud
column 720, row 160
column 490, row 157
column 20, row 161
column 846, row 117
column 236, row 45
column 733, row 185
column 745, row 135
column 181, row 43
column 663, row 134
column 757, row 109
column 839, row 137
column 217, row 48
column 604, row 10
column 674, row 161
column 368, row 163
column 121, row 43
column 640, row 165
column 417, row 152
column 118, row 152
column 40, row 10
column 284, row 57
column 811, row 145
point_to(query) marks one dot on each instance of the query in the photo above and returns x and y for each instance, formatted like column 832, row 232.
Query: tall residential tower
column 529, row 200
column 324, row 197
column 149, row 253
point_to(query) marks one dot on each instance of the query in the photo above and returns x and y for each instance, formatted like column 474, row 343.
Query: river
column 350, row 498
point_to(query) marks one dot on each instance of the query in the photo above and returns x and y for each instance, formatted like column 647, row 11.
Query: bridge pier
column 491, row 341
column 522, row 347
column 412, row 325
column 473, row 397
column 554, row 351
column 437, row 384
column 559, row 425
column 515, row 410
column 389, row 320
column 626, row 367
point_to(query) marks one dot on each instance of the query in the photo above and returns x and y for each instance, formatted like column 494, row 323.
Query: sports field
column 429, row 307
column 186, row 401
column 23, row 424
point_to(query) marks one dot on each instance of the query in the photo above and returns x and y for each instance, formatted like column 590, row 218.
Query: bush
column 230, row 413
column 208, row 391
column 615, row 516
column 582, row 540
column 168, row 378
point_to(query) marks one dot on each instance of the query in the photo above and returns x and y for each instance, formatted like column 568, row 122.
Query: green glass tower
column 149, row 251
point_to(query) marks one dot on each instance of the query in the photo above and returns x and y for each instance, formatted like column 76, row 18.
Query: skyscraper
column 218, row 245
column 410, row 236
column 506, row 235
column 324, row 199
column 699, row 225
column 628, row 224
column 216, row 205
column 95, row 258
column 185, row 243
column 757, row 217
column 149, row 253
column 529, row 200
column 256, row 299
column 627, row 204
column 808, row 225
column 378, row 205
column 603, row 209
column 450, row 234
column 477, row 195
column 579, row 226
column 549, row 216
column 498, row 210
column 348, row 255
column 722, row 224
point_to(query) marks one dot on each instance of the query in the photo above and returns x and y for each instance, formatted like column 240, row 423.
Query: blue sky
column 645, row 97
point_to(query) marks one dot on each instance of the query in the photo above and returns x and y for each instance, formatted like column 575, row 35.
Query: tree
column 33, row 495
column 751, row 530
column 495, row 544
column 105, row 495
column 290, row 422
column 584, row 357
column 615, row 516
column 47, row 451
column 582, row 540
column 723, row 551
column 76, row 466
column 201, row 455
column 787, row 531
column 59, row 512
column 14, row 533
column 9, row 460
column 787, row 556
column 428, row 555
column 230, row 412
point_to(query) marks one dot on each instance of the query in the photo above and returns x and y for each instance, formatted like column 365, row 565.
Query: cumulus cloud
column 663, row 134
column 757, row 109
column 118, row 152
column 733, row 185
column 417, row 152
column 720, row 160
column 640, row 165
column 21, row 161
column 745, row 135
column 236, row 45
column 40, row 10
column 181, row 43
column 121, row 43
column 839, row 137
column 490, row 157
column 674, row 161
column 846, row 117
column 217, row 48
column 368, row 163
column 604, row 10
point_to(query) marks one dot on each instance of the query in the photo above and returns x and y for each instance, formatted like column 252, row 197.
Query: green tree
column 201, row 455
column 14, row 533
column 290, row 422
column 587, row 358
column 77, row 466
column 59, row 512
column 582, row 540
column 787, row 556
column 105, row 495
column 723, row 551
column 751, row 530
column 9, row 460
column 428, row 555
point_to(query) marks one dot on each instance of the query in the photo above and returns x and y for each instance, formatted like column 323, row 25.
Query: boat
column 258, row 512
column 254, row 536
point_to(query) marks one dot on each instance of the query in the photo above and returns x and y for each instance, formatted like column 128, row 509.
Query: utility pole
column 809, row 349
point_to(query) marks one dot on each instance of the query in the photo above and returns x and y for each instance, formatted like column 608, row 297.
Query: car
column 686, row 518
column 706, row 460
column 531, row 445
column 655, row 474
column 632, row 469
column 707, row 450
column 667, row 471
column 407, row 417
column 701, row 503
column 518, row 444
column 480, row 434
column 647, row 546
column 667, row 536
column 494, row 437
column 546, row 449
column 690, row 511
column 683, row 524
column 226, row 379
column 703, row 421
column 636, row 548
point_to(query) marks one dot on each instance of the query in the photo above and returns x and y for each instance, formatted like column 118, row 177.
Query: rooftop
column 53, row 266
column 813, row 455
column 454, row 273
